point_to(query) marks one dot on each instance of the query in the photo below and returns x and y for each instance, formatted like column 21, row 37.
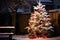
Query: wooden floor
column 25, row 37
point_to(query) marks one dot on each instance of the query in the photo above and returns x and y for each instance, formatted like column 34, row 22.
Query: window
column 45, row 0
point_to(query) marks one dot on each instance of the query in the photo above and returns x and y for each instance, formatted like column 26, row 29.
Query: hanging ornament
column 45, row 13
column 37, row 24
column 47, row 16
column 46, row 24
column 44, row 19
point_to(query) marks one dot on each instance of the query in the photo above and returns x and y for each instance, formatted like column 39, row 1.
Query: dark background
column 19, row 20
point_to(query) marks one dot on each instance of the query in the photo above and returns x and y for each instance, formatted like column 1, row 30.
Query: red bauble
column 37, row 24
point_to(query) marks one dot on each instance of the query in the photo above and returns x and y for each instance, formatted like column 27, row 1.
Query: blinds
column 41, row 0
column 45, row 0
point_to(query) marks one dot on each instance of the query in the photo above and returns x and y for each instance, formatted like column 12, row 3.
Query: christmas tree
column 40, row 22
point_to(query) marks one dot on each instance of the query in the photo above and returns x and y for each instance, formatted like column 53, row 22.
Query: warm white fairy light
column 39, row 20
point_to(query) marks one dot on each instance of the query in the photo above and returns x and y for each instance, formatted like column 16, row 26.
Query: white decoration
column 35, row 7
column 46, row 24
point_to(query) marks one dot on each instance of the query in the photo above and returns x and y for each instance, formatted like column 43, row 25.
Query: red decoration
column 37, row 24
column 32, row 36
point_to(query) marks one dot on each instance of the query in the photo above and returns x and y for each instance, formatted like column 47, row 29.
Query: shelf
column 7, row 27
column 6, row 33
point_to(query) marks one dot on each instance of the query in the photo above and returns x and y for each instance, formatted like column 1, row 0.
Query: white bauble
column 44, row 18
column 46, row 24
column 48, row 18
column 35, row 28
column 45, row 13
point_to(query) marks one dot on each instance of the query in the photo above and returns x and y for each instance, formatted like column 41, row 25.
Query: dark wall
column 21, row 23
column 5, row 19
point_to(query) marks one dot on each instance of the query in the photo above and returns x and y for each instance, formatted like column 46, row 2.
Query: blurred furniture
column 6, row 32
column 54, row 17
column 7, row 27
column 22, row 22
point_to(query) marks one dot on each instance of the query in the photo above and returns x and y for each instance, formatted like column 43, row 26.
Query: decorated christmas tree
column 40, row 22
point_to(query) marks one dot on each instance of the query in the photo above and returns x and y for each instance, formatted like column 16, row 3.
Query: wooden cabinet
column 54, row 18
column 22, row 22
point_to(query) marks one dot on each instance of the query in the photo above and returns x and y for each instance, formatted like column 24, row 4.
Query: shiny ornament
column 46, row 24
